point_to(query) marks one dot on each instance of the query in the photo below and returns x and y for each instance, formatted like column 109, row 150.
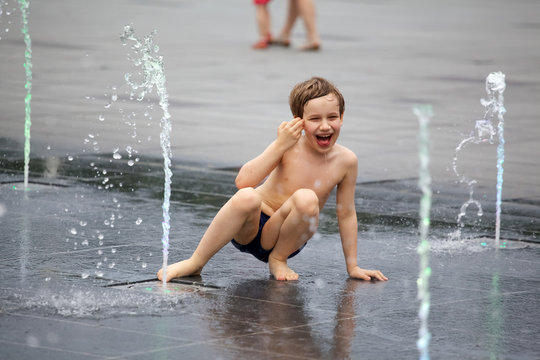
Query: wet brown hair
column 312, row 89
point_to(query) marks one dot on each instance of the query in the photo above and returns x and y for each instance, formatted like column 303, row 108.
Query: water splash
column 424, row 113
column 484, row 132
column 24, row 6
column 153, row 74
column 494, row 104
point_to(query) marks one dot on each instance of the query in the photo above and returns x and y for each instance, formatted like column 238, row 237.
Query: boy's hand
column 289, row 132
column 362, row 274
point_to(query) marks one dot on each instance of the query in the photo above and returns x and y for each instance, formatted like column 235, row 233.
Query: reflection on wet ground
column 76, row 234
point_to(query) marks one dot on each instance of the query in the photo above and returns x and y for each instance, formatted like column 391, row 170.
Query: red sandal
column 263, row 43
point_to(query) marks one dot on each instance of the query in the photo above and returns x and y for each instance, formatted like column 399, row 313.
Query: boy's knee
column 247, row 199
column 306, row 202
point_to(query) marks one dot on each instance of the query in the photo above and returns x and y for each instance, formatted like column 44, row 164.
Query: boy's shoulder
column 345, row 154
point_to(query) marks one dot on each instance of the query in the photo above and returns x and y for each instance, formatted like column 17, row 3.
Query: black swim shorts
column 255, row 248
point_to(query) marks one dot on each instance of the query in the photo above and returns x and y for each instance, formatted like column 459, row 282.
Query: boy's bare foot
column 280, row 270
column 180, row 269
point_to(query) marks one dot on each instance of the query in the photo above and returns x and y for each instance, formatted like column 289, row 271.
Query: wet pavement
column 90, row 222
column 69, row 249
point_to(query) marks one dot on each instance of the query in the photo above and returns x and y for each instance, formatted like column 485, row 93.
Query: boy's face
column 322, row 122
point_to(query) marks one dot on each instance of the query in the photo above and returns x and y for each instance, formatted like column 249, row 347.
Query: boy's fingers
column 379, row 275
column 295, row 121
column 363, row 276
column 298, row 124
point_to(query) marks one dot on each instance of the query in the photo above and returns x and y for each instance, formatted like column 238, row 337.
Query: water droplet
column 114, row 97
column 111, row 265
column 100, row 236
column 117, row 156
column 83, row 223
column 84, row 242
column 73, row 231
column 138, row 221
column 320, row 283
column 131, row 163
column 99, row 273
column 143, row 265
column 84, row 275
column 113, row 250
column 101, row 118
column 47, row 279
column 70, row 158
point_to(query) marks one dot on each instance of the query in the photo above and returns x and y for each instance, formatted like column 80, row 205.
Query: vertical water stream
column 424, row 113
column 153, row 73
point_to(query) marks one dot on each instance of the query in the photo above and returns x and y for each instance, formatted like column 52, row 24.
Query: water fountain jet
column 153, row 74
column 24, row 6
column 484, row 132
column 424, row 113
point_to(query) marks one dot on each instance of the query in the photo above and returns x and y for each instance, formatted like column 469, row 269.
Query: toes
column 287, row 276
column 292, row 277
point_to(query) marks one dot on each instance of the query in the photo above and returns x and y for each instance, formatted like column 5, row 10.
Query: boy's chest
column 320, row 177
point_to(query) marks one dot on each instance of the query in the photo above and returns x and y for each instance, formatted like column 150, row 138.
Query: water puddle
column 174, row 288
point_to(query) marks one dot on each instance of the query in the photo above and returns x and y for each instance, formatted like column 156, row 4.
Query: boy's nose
column 325, row 124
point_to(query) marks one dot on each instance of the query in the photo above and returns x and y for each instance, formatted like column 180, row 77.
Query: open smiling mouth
column 323, row 140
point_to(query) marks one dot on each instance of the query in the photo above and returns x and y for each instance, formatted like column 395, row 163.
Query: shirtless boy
column 281, row 191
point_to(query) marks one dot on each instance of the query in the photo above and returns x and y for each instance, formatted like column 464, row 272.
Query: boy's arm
column 255, row 170
column 348, row 223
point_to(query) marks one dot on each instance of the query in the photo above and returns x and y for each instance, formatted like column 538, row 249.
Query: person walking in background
column 263, row 22
column 296, row 8
column 306, row 10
